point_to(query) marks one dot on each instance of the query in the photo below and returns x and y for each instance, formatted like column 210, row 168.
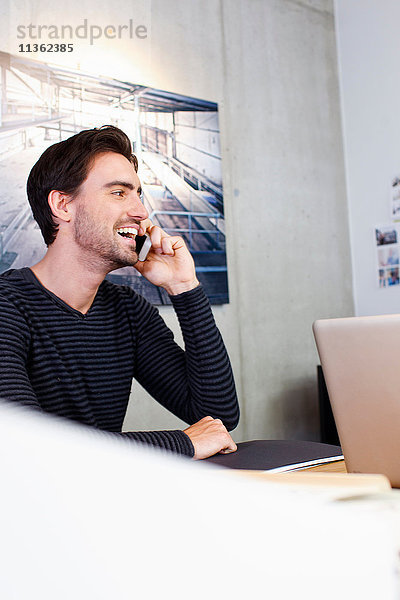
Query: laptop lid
column 360, row 358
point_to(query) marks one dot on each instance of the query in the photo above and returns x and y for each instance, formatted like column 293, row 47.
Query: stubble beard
column 96, row 242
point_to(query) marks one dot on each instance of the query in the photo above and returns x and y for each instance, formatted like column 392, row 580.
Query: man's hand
column 210, row 436
column 169, row 263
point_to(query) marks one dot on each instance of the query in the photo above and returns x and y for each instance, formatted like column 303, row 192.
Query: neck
column 71, row 279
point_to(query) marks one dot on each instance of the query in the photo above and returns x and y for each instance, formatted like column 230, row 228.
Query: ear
column 59, row 205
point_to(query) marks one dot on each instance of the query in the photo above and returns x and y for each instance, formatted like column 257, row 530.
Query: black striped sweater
column 56, row 359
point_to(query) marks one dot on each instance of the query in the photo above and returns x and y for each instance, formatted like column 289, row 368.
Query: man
column 71, row 342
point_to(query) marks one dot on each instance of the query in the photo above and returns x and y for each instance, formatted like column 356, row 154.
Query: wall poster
column 46, row 97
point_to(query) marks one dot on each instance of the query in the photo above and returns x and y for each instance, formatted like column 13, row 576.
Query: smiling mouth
column 127, row 232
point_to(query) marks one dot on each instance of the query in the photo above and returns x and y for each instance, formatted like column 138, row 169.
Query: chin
column 119, row 263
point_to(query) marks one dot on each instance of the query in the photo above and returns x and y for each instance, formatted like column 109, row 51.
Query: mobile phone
column 143, row 245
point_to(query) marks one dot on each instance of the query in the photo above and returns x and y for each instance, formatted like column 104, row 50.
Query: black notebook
column 278, row 455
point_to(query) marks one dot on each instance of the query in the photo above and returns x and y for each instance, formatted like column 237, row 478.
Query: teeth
column 131, row 230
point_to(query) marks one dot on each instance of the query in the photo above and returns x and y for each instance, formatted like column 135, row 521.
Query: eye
column 119, row 193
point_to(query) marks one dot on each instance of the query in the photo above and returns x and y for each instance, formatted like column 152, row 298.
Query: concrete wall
column 271, row 66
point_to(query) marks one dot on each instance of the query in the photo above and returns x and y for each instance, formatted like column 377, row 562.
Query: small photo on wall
column 392, row 276
column 386, row 235
column 388, row 277
column 388, row 256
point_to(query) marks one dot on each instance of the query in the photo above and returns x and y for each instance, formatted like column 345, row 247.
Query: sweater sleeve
column 174, row 441
column 191, row 383
column 14, row 349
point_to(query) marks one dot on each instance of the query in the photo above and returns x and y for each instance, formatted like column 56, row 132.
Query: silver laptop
column 360, row 358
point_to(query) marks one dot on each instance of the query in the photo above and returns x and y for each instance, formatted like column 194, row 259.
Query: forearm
column 208, row 367
column 174, row 441
column 195, row 383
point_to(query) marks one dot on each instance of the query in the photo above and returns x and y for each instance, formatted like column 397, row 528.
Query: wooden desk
column 338, row 466
column 329, row 475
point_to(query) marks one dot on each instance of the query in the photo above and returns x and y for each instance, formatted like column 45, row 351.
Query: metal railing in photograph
column 203, row 182
column 187, row 173
column 13, row 228
column 189, row 198
column 192, row 227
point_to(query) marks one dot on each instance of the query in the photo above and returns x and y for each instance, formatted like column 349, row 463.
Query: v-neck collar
column 30, row 276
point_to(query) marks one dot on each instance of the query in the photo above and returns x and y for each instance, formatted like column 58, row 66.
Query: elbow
column 233, row 421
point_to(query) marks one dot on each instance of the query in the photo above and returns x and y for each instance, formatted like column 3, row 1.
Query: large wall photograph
column 175, row 137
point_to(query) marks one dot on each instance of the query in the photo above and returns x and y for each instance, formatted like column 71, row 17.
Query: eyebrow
column 121, row 183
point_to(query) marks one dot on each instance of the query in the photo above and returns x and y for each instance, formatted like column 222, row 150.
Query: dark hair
column 65, row 166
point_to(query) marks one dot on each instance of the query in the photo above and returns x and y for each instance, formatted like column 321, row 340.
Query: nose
column 137, row 209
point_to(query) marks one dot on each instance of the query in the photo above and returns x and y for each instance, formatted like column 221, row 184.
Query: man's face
column 109, row 202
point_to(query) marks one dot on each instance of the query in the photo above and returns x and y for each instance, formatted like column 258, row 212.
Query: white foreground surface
column 85, row 516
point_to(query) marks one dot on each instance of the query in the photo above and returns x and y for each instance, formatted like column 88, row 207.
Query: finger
column 166, row 246
column 204, row 419
column 145, row 226
column 230, row 446
column 177, row 242
column 219, row 426
column 156, row 234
